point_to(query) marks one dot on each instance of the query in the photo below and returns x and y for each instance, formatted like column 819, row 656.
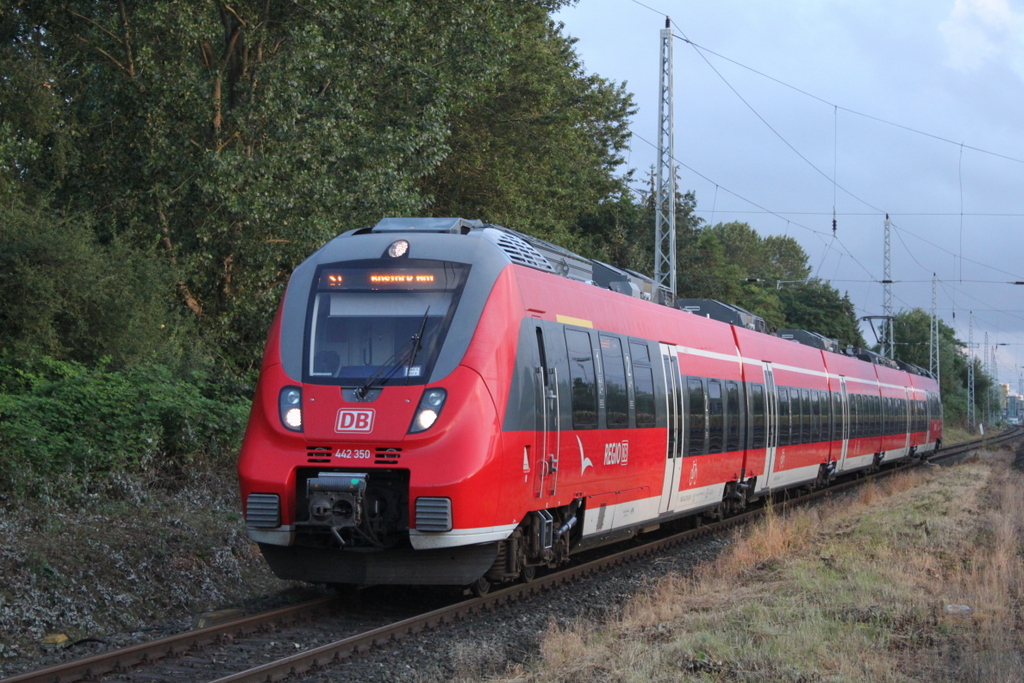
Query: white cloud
column 978, row 32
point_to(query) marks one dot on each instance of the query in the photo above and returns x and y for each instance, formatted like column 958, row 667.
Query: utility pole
column 888, row 350
column 934, row 361
column 970, row 375
column 665, row 192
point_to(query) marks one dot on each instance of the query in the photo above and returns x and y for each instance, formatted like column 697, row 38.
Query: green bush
column 62, row 417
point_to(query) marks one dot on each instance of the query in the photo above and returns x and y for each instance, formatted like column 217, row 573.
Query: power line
column 926, row 214
column 776, row 132
column 836, row 106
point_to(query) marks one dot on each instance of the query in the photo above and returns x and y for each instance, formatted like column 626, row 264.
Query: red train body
column 447, row 402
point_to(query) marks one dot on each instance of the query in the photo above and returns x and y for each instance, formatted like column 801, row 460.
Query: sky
column 787, row 111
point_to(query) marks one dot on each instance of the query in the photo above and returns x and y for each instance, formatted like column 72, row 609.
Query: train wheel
column 480, row 587
column 527, row 574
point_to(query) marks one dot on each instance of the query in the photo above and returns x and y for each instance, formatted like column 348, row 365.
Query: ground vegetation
column 915, row 579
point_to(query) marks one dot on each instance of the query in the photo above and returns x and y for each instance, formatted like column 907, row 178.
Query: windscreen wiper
column 409, row 351
column 417, row 339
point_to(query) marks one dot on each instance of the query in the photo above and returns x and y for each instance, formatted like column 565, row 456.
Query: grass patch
column 868, row 588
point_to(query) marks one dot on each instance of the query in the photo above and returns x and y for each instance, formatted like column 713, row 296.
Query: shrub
column 61, row 417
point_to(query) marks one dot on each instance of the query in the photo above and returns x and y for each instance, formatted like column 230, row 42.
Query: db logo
column 354, row 421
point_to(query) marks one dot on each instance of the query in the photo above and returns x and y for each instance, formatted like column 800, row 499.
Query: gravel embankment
column 117, row 572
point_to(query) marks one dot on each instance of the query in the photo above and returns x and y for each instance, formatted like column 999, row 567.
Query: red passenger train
column 448, row 402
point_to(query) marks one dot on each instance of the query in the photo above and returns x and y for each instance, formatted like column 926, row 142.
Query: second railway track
column 321, row 634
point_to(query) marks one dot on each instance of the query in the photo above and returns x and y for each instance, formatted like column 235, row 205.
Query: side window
column 581, row 374
column 805, row 416
column 873, row 414
column 826, row 419
column 716, row 416
column 856, row 406
column 757, row 416
column 732, row 417
column 878, row 415
column 695, row 390
column 815, row 416
column 837, row 416
column 784, row 419
column 854, row 416
column 643, row 385
column 616, row 395
column 798, row 420
column 866, row 416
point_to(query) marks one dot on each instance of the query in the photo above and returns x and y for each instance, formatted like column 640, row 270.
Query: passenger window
column 798, row 419
column 837, row 416
column 581, row 373
column 757, row 410
column 616, row 395
column 695, row 389
column 805, row 416
column 815, row 416
column 856, row 416
column 643, row 385
column 716, row 417
column 732, row 417
column 784, row 417
column 826, row 419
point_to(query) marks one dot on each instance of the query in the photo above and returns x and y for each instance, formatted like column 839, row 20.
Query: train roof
column 533, row 252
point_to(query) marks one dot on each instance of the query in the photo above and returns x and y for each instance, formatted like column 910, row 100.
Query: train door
column 548, row 444
column 844, row 422
column 674, row 447
column 771, row 427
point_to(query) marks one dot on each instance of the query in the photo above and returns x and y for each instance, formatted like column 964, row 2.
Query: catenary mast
column 665, row 190
column 887, row 343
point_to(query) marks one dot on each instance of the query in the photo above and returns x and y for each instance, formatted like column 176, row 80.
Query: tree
column 913, row 345
column 232, row 140
column 818, row 307
column 65, row 295
column 541, row 145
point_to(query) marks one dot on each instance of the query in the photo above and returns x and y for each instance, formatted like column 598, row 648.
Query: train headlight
column 398, row 248
column 428, row 410
column 290, row 406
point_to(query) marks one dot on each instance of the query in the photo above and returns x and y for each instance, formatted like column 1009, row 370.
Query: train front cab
column 391, row 471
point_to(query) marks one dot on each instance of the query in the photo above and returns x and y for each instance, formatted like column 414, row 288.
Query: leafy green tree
column 67, row 296
column 540, row 146
column 818, row 307
column 913, row 344
column 234, row 139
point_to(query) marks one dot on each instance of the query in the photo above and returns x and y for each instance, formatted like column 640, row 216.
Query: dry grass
column 864, row 589
column 952, row 435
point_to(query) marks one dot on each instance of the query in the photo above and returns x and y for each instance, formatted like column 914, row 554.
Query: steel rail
column 333, row 653
column 120, row 661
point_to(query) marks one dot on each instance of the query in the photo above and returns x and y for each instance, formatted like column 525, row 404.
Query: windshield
column 365, row 321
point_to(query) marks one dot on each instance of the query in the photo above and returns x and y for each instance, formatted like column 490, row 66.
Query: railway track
column 322, row 633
